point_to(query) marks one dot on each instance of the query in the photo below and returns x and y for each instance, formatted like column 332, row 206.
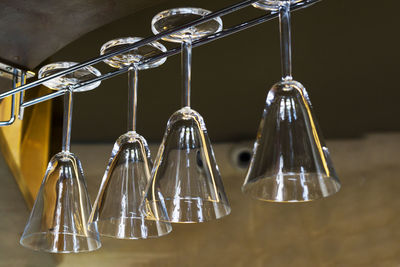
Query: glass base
column 173, row 18
column 133, row 56
column 272, row 5
column 78, row 76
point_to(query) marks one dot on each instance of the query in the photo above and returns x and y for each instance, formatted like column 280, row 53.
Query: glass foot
column 133, row 56
column 176, row 17
column 78, row 76
column 272, row 4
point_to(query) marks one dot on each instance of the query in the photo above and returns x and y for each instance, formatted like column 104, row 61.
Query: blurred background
column 344, row 52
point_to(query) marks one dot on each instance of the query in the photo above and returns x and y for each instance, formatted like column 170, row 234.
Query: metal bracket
column 12, row 115
column 8, row 72
column 18, row 78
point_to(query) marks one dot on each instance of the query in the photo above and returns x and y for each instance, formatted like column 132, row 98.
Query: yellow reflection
column 25, row 144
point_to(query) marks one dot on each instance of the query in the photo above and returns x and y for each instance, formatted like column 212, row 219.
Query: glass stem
column 132, row 97
column 67, row 120
column 286, row 42
column 186, row 71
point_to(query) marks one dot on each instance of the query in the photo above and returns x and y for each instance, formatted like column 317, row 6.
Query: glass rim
column 93, row 224
column 38, row 248
column 218, row 203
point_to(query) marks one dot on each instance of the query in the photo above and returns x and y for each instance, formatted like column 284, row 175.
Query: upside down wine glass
column 58, row 220
column 290, row 161
column 185, row 171
column 118, row 210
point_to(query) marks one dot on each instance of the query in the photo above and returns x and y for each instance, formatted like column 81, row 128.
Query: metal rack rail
column 226, row 32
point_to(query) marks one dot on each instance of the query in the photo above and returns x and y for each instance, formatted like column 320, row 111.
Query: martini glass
column 58, row 221
column 290, row 161
column 185, row 171
column 118, row 210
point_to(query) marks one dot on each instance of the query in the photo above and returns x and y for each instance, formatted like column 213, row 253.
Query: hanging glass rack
column 22, row 75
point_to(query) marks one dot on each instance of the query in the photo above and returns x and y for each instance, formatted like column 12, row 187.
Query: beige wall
column 357, row 227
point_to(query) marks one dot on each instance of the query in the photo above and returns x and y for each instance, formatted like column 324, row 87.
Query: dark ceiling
column 31, row 31
column 344, row 52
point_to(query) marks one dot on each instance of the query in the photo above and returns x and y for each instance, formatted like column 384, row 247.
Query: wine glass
column 58, row 221
column 290, row 161
column 118, row 210
column 185, row 171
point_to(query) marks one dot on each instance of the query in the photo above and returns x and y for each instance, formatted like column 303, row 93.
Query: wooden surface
column 13, row 216
column 356, row 227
